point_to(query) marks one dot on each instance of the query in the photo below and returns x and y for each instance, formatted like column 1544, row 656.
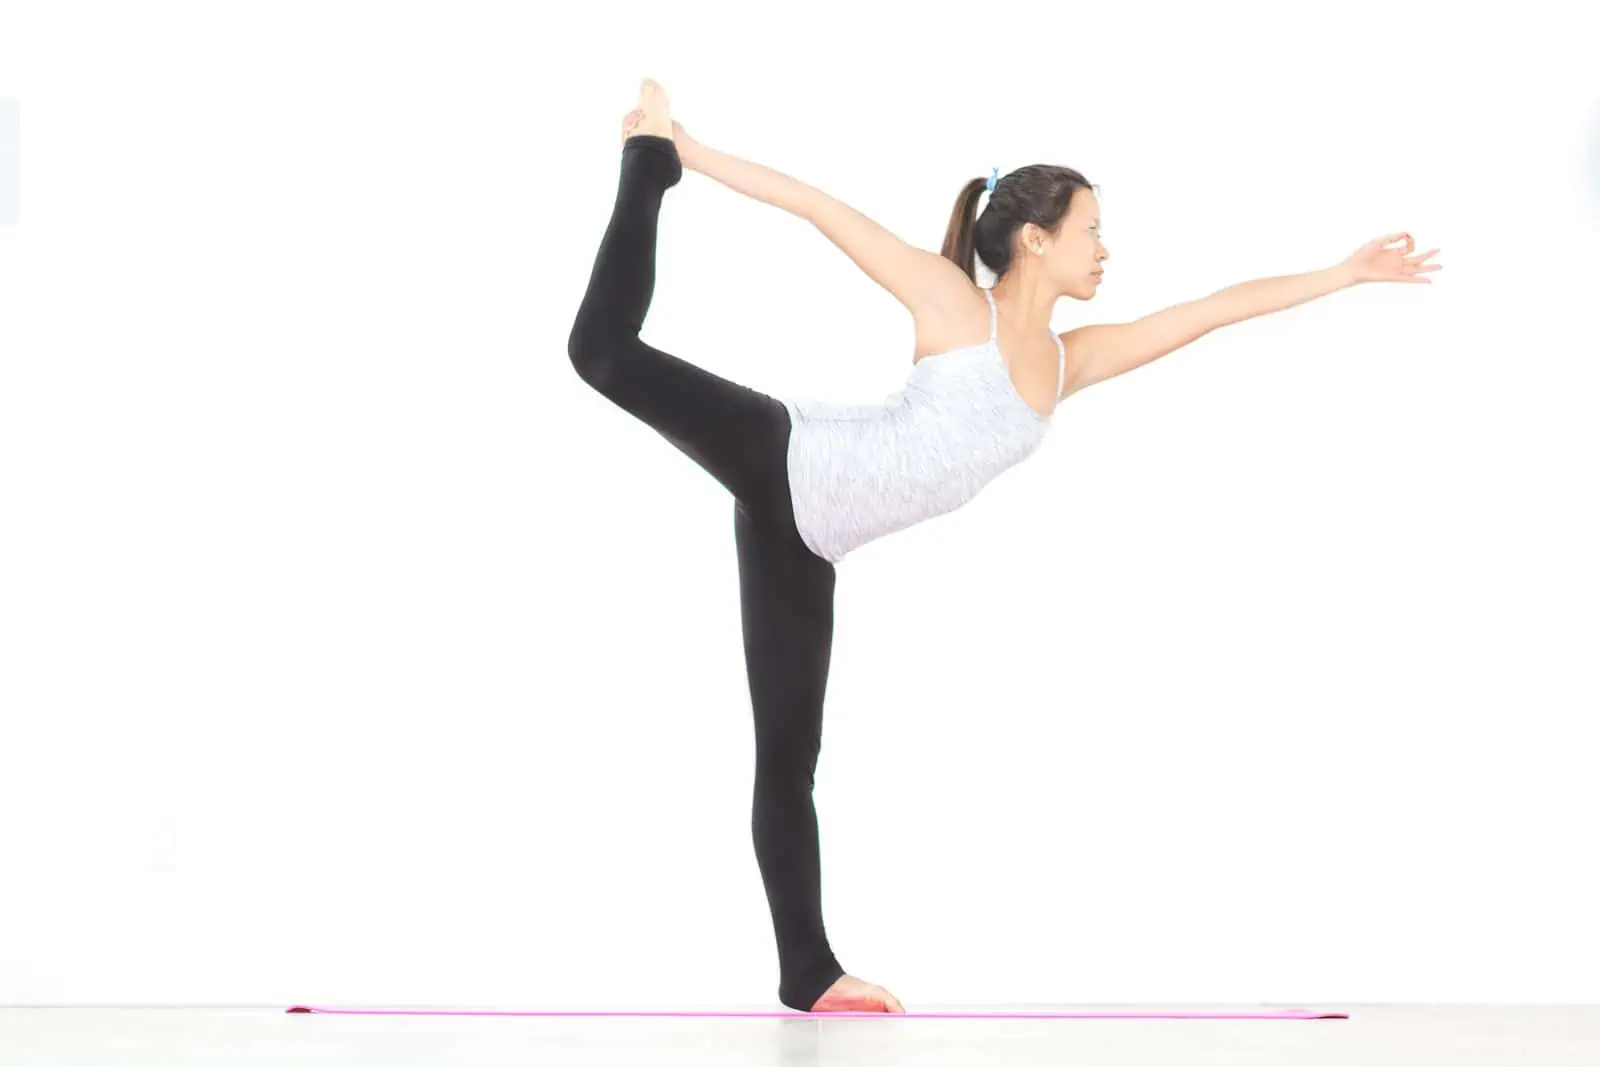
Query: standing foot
column 852, row 994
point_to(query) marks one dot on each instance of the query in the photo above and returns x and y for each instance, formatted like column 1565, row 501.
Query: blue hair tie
column 994, row 178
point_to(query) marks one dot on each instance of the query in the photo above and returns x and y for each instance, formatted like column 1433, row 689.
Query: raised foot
column 652, row 115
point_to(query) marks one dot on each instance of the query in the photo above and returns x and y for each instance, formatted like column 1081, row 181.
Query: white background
column 354, row 651
column 8, row 162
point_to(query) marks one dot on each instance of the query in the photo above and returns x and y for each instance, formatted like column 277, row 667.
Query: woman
column 811, row 480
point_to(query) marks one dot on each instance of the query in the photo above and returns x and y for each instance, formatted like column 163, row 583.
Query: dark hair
column 1039, row 193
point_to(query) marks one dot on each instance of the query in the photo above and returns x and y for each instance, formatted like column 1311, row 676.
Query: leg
column 786, row 606
column 740, row 437
column 736, row 434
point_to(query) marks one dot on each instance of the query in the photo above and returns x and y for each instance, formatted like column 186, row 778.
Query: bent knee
column 596, row 353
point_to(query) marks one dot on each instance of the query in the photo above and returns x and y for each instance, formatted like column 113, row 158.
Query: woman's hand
column 687, row 145
column 1375, row 261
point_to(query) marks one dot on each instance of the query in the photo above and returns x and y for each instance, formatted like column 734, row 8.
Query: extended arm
column 1106, row 351
column 925, row 282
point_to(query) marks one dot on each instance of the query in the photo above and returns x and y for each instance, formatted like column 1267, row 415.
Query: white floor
column 1373, row 1036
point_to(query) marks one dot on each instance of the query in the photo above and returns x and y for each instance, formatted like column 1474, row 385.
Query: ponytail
column 958, row 236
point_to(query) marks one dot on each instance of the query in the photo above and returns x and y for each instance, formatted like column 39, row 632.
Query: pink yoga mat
column 1285, row 1013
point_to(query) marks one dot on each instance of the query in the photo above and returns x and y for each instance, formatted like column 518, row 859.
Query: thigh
column 786, row 596
column 738, row 435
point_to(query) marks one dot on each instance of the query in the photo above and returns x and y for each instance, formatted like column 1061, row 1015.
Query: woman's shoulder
column 956, row 322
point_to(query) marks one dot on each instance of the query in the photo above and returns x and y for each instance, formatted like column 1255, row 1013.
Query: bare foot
column 852, row 994
column 652, row 115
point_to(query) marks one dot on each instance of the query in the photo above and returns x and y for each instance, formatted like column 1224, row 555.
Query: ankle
column 657, row 147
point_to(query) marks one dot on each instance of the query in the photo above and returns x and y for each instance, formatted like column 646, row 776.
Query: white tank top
column 860, row 471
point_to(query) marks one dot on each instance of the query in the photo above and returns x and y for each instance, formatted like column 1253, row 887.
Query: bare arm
column 1105, row 351
column 925, row 282
column 1266, row 295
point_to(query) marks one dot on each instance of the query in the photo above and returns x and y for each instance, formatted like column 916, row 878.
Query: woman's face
column 1076, row 255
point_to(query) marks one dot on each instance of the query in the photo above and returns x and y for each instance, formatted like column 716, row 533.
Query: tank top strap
column 1061, row 372
column 1061, row 349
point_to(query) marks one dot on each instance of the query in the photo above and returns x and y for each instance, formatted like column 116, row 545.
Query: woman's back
column 860, row 471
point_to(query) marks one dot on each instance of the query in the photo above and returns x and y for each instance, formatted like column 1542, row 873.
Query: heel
column 655, row 147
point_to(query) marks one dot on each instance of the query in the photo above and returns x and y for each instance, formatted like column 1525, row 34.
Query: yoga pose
column 811, row 481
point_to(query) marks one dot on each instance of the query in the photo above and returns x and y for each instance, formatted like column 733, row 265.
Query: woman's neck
column 1025, row 303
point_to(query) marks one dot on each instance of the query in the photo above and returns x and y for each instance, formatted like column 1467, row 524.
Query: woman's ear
column 1032, row 238
column 1027, row 237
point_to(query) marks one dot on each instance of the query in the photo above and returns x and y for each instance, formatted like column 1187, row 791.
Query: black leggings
column 741, row 438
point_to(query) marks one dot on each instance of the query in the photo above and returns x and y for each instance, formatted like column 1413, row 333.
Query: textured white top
column 860, row 471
